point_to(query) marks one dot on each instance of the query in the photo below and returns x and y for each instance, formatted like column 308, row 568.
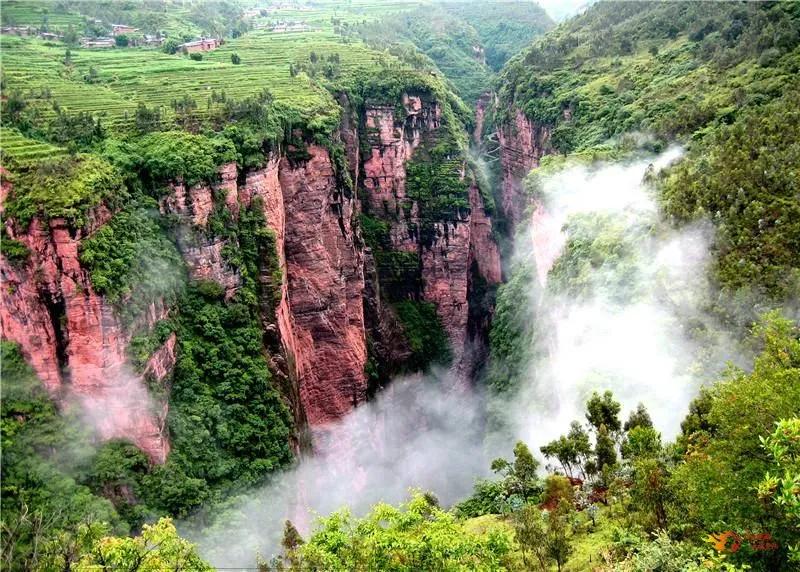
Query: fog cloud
column 631, row 321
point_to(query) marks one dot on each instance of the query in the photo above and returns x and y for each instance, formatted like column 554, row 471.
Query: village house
column 201, row 45
column 98, row 42
column 18, row 30
column 148, row 40
column 119, row 29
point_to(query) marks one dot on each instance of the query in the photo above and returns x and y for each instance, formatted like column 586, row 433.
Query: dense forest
column 111, row 145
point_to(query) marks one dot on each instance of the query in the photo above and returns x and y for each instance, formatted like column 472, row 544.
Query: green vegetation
column 181, row 156
column 44, row 454
column 64, row 188
column 666, row 68
column 512, row 334
column 426, row 337
column 463, row 41
column 158, row 547
column 131, row 261
column 600, row 255
column 415, row 536
column 745, row 177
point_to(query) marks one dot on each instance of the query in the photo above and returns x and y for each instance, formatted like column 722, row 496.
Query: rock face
column 325, row 287
column 72, row 337
column 522, row 145
column 330, row 305
column 445, row 261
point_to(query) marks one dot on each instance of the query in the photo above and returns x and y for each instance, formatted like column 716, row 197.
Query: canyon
column 331, row 304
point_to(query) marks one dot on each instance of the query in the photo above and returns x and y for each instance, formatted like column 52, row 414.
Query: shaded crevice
column 57, row 312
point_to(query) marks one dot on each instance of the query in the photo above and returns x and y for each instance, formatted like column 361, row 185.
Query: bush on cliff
column 425, row 334
column 131, row 261
column 64, row 188
column 178, row 155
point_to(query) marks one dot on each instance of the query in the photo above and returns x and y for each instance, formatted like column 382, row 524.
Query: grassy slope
column 668, row 68
column 130, row 76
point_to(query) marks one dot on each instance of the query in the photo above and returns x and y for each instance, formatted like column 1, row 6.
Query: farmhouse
column 148, row 40
column 118, row 29
column 18, row 30
column 201, row 45
column 98, row 42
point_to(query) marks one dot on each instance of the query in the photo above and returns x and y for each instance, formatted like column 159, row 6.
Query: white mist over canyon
column 626, row 331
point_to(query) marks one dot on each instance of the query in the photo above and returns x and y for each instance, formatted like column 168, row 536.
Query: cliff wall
column 329, row 304
column 522, row 144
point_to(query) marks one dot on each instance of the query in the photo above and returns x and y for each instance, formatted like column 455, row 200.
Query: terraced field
column 35, row 12
column 323, row 12
column 111, row 83
column 18, row 149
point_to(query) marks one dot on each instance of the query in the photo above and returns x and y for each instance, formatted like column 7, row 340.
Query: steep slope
column 466, row 42
column 666, row 70
column 234, row 277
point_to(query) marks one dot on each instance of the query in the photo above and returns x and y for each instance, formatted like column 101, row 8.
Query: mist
column 420, row 432
column 631, row 321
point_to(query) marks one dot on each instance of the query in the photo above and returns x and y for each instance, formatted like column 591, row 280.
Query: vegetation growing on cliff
column 131, row 261
column 669, row 68
column 64, row 188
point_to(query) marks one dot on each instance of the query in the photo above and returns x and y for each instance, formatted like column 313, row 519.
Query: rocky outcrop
column 325, row 287
column 451, row 245
column 330, row 305
column 201, row 249
column 522, row 145
column 73, row 338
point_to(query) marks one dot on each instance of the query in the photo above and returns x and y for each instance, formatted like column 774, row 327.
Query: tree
column 70, row 36
column 556, row 489
column 603, row 410
column 559, row 534
column 146, row 119
column 157, row 548
column 196, row 56
column 417, row 535
column 605, row 451
column 729, row 457
column 68, row 57
column 525, row 465
column 520, row 476
column 235, row 59
column 641, row 443
column 171, row 46
column 122, row 41
column 291, row 542
column 782, row 487
column 572, row 450
column 530, row 530
column 638, row 418
column 649, row 493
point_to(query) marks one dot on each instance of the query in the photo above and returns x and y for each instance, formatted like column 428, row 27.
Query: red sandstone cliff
column 320, row 316
column 446, row 263
column 73, row 338
column 330, row 301
column 522, row 145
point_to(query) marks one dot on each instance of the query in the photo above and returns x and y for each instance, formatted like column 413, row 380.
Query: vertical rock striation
column 73, row 338
column 522, row 145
